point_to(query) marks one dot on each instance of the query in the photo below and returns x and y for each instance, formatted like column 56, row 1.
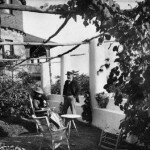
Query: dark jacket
column 73, row 89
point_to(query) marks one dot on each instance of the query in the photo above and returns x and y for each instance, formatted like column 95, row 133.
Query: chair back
column 43, row 123
column 57, row 137
column 109, row 139
column 31, row 104
column 55, row 117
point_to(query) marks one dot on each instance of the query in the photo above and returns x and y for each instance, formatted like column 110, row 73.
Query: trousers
column 69, row 101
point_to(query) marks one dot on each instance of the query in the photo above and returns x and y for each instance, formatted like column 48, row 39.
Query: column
column 92, row 71
column 0, row 31
column 45, row 78
column 65, row 66
column 97, row 79
column 48, row 54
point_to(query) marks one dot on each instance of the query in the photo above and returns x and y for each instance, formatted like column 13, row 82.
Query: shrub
column 102, row 99
column 55, row 88
column 14, row 97
column 87, row 111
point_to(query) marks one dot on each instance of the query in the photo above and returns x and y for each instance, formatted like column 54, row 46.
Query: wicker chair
column 109, row 140
column 55, row 138
column 34, row 112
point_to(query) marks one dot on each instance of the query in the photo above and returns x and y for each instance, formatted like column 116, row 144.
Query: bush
column 102, row 99
column 87, row 111
column 14, row 97
column 55, row 88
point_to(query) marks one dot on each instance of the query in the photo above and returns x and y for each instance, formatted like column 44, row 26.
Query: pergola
column 93, row 52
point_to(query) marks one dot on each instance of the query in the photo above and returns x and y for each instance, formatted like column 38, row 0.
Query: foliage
column 83, row 81
column 131, row 78
column 130, row 28
column 8, row 147
column 87, row 110
column 61, row 105
column 15, row 96
column 55, row 88
column 102, row 99
column 8, row 64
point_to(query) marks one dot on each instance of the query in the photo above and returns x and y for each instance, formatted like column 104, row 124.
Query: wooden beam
column 42, row 44
column 24, row 59
column 78, row 54
column 33, row 9
column 28, row 43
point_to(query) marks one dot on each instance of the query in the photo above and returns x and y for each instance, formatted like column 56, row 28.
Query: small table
column 71, row 118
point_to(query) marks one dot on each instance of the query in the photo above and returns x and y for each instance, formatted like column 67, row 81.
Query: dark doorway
column 37, row 51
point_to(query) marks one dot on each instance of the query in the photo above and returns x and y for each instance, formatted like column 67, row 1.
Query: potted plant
column 102, row 99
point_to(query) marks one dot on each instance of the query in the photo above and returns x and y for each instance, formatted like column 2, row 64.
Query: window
column 7, row 50
column 8, row 11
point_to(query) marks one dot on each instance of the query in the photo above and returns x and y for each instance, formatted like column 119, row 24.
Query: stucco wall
column 18, row 49
column 15, row 37
column 107, row 119
column 102, row 118
column 14, row 20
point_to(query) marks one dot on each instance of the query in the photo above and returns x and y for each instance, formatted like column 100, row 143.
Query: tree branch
column 59, row 29
column 60, row 55
column 33, row 9
column 77, row 45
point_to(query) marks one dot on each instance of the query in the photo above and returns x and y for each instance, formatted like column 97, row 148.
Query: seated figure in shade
column 39, row 102
column 39, row 98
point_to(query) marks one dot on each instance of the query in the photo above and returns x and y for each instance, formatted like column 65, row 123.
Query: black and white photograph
column 74, row 74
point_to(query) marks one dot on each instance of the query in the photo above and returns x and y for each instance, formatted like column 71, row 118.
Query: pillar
column 0, row 30
column 48, row 54
column 97, row 79
column 92, row 71
column 65, row 66
column 45, row 78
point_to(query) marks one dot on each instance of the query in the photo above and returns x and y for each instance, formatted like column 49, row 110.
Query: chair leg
column 69, row 128
column 53, row 145
column 37, row 128
column 68, row 144
column 40, row 145
column 75, row 127
column 100, row 139
column 118, row 138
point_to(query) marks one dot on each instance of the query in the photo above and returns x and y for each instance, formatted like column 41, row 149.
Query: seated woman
column 39, row 102
column 39, row 99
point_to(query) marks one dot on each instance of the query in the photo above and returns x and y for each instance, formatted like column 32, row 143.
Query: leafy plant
column 102, row 99
column 55, row 88
column 14, row 97
column 87, row 110
column 61, row 108
column 83, row 81
column 131, row 78
column 130, row 28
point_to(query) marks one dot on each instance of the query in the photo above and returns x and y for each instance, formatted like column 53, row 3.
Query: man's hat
column 69, row 73
column 39, row 90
